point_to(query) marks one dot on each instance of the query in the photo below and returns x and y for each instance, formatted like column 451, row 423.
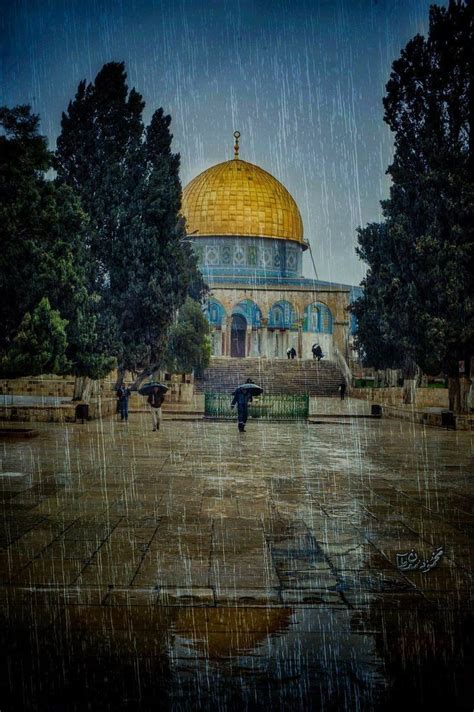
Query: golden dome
column 239, row 198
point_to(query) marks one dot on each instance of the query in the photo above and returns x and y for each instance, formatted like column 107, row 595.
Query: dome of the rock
column 240, row 199
column 247, row 235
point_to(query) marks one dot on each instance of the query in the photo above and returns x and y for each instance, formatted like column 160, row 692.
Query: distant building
column 247, row 232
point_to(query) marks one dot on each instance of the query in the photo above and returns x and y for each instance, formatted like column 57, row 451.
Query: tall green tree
column 128, row 181
column 39, row 345
column 419, row 286
column 189, row 347
column 43, row 257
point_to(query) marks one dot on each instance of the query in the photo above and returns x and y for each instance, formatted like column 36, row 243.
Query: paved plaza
column 200, row 568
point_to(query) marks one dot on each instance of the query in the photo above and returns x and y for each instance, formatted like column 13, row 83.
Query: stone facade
column 276, row 318
column 247, row 233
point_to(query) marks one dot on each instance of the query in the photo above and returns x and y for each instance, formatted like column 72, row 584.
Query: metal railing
column 271, row 407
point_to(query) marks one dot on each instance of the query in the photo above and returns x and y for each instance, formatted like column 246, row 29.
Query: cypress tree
column 128, row 182
column 421, row 262
column 43, row 262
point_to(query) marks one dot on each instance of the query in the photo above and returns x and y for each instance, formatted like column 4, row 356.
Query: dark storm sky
column 303, row 82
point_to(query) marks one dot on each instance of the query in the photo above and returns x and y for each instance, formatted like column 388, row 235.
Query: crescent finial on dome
column 236, row 144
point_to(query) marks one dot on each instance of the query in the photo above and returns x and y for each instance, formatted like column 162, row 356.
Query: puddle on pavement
column 76, row 657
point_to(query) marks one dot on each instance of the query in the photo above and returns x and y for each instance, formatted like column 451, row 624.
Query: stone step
column 276, row 376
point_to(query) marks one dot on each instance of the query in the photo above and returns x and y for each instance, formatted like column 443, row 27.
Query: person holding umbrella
column 242, row 397
column 155, row 393
column 317, row 352
column 155, row 401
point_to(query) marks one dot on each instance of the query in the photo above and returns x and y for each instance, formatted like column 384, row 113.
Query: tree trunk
column 120, row 378
column 459, row 393
column 82, row 388
column 454, row 393
column 410, row 370
column 409, row 391
column 466, row 394
column 140, row 377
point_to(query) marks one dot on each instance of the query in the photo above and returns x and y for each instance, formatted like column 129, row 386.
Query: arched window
column 318, row 318
column 282, row 316
column 251, row 311
column 215, row 312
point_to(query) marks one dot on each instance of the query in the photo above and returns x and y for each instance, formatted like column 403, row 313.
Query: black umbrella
column 149, row 388
column 251, row 388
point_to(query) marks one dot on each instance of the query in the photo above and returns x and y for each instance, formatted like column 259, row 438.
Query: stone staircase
column 276, row 376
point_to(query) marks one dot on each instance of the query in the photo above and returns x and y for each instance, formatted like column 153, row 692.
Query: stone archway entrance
column 238, row 333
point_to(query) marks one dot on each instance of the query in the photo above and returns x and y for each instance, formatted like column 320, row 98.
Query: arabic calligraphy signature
column 410, row 561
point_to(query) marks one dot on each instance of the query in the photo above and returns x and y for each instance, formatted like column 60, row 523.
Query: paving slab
column 172, row 563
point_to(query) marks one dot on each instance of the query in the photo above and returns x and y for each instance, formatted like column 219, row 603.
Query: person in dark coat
column 317, row 352
column 155, row 401
column 342, row 389
column 123, row 394
column 242, row 399
column 293, row 352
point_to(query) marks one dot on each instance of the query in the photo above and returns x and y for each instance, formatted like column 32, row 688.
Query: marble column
column 248, row 340
column 224, row 336
column 264, row 329
column 300, row 338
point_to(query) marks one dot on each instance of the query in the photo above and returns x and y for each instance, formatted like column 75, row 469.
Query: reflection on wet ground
column 79, row 657
column 203, row 569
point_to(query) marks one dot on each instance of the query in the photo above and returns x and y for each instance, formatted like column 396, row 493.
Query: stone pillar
column 248, row 340
column 300, row 338
column 224, row 336
column 228, row 348
column 264, row 349
column 254, row 349
column 340, row 337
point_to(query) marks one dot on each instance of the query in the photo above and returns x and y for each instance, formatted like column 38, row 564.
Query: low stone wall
column 426, row 417
column 64, row 413
column 40, row 386
column 181, row 391
column 424, row 397
column 61, row 387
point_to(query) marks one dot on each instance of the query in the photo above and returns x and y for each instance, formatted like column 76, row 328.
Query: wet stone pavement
column 201, row 569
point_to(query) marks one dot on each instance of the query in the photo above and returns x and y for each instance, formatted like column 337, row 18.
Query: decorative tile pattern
column 318, row 318
column 282, row 315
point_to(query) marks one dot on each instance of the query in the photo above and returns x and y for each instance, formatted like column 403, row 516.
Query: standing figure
column 242, row 399
column 317, row 352
column 288, row 353
column 342, row 389
column 293, row 352
column 155, row 400
column 123, row 394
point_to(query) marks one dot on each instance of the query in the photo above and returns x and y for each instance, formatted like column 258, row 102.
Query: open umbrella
column 251, row 388
column 149, row 387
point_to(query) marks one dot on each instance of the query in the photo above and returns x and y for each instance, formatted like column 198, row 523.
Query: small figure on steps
column 342, row 389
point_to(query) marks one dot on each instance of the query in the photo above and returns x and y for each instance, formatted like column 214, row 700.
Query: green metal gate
column 276, row 407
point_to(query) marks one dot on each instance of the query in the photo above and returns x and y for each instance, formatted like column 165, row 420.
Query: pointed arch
column 215, row 312
column 318, row 318
column 282, row 315
column 250, row 311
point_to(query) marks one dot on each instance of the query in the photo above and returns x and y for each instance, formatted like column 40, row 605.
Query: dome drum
column 224, row 256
